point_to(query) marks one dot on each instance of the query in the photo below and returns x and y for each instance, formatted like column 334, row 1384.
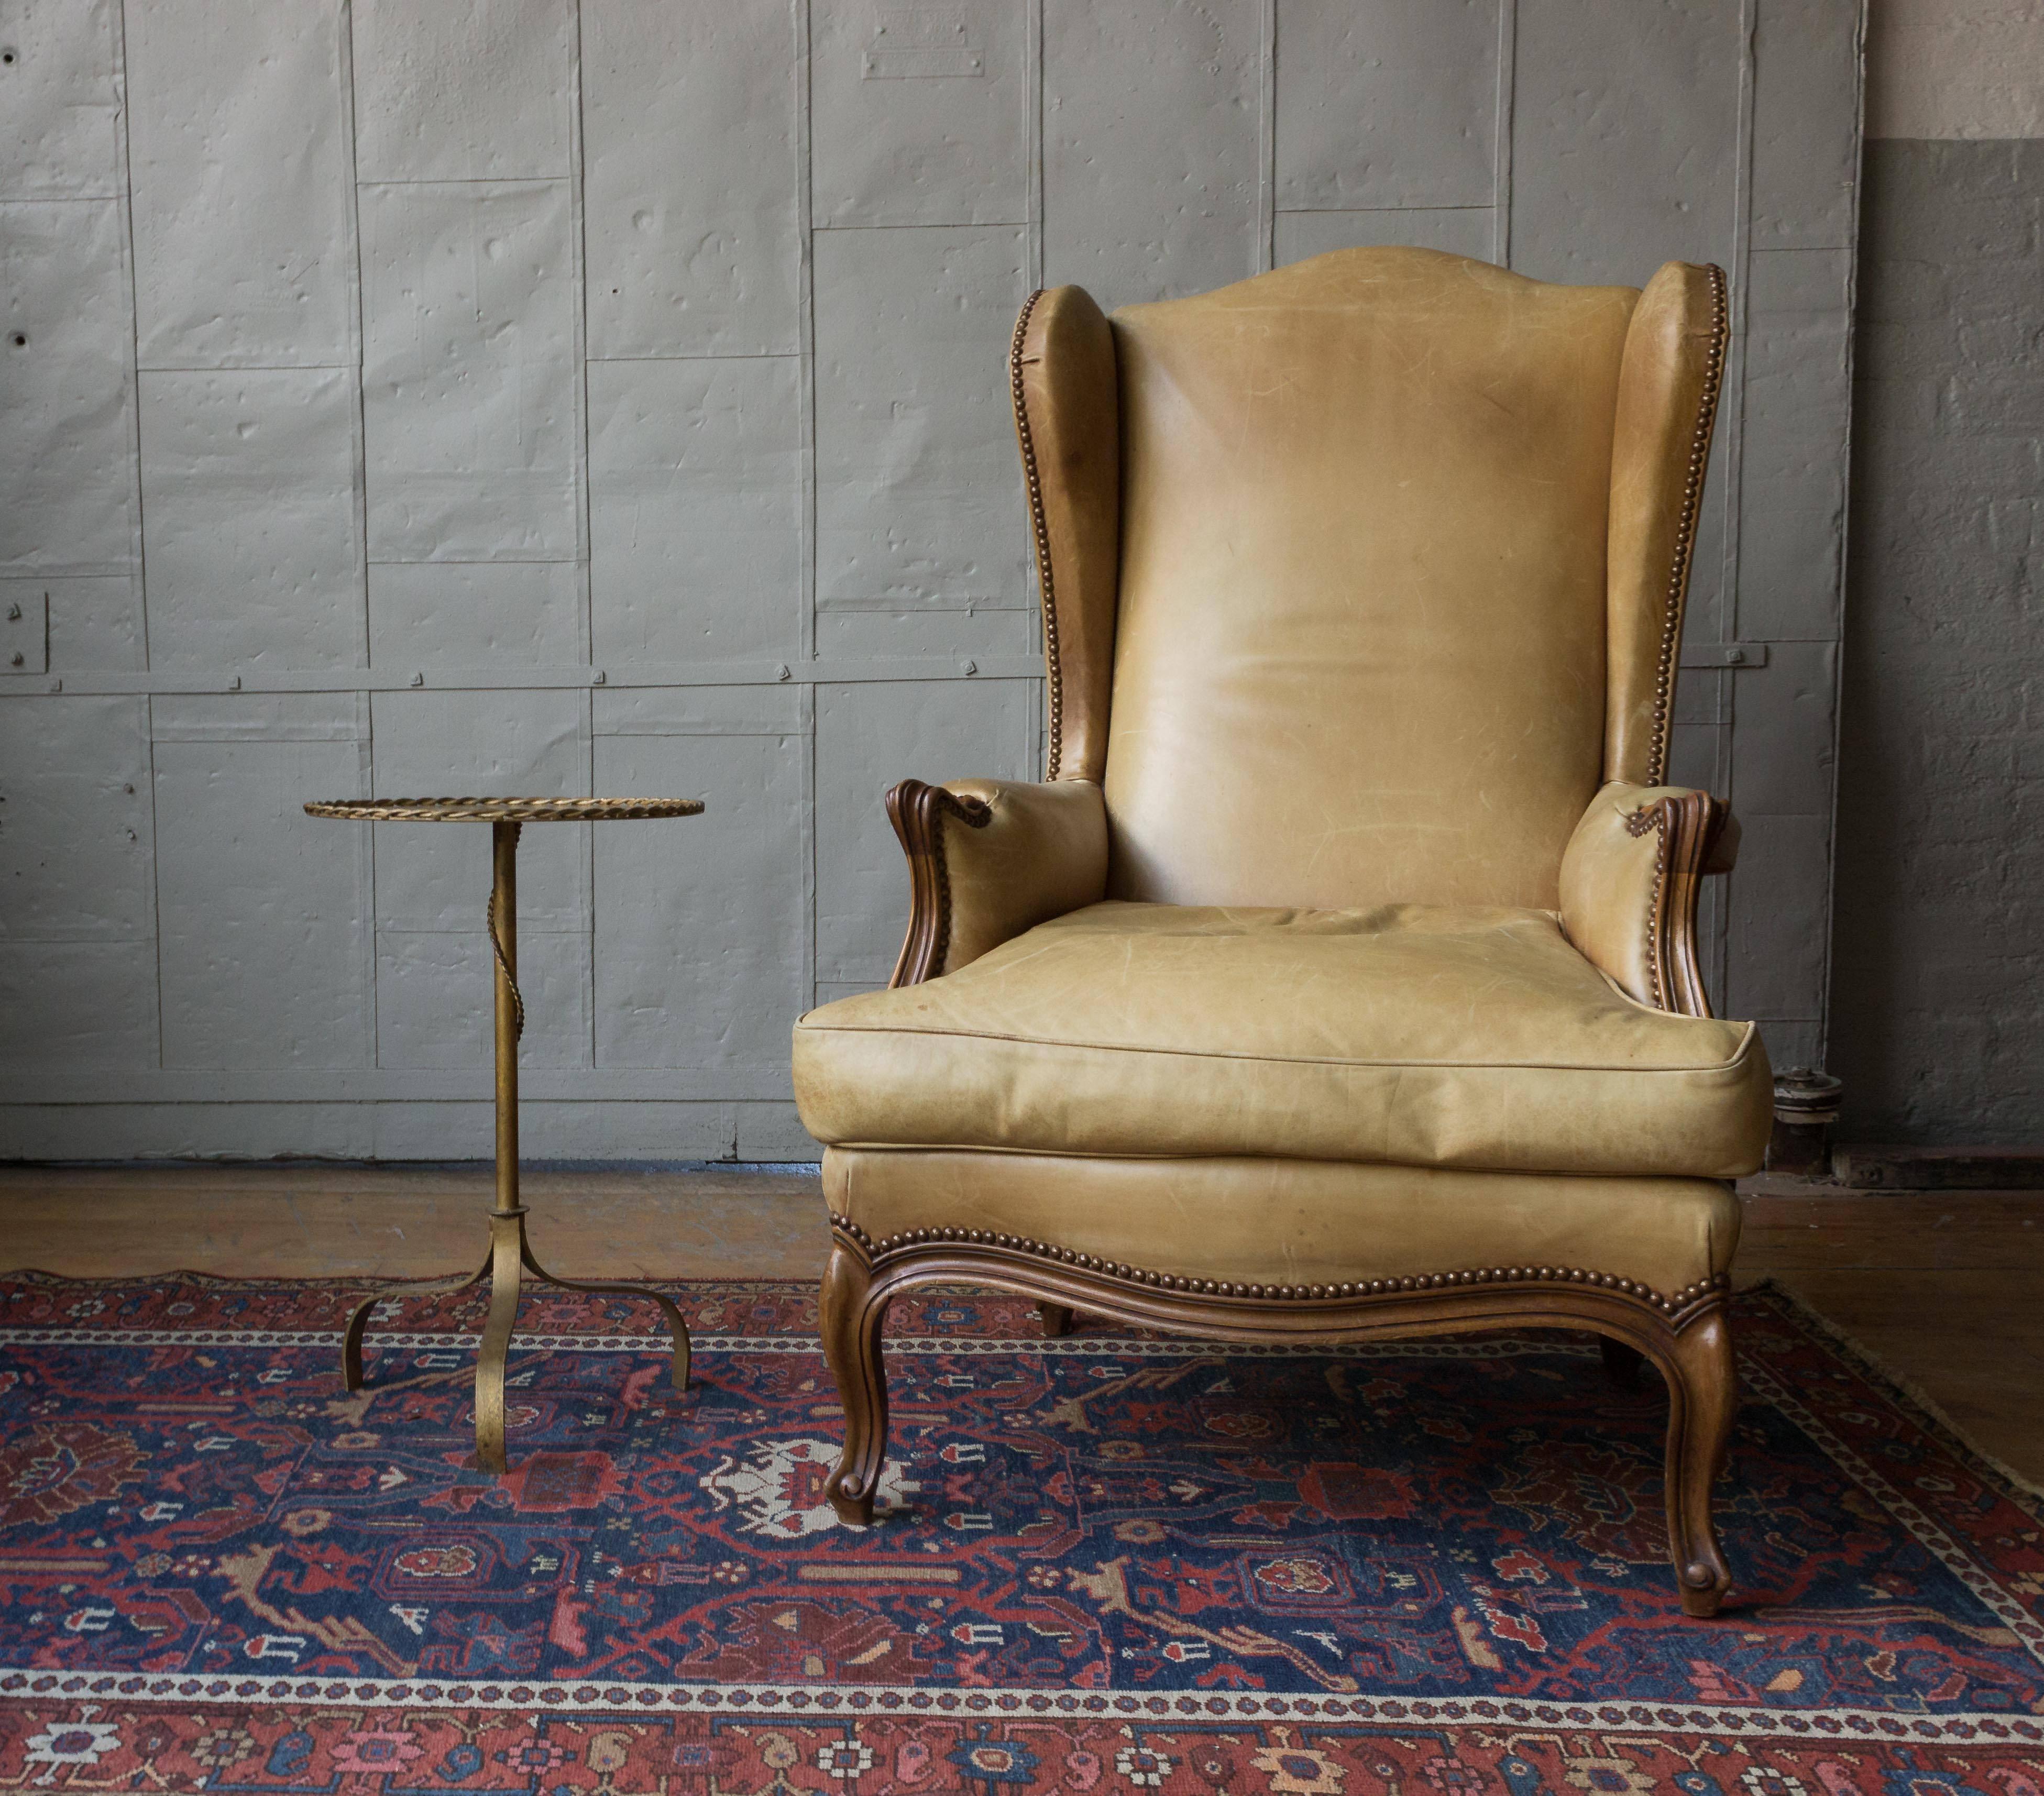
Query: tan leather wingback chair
column 1339, row 980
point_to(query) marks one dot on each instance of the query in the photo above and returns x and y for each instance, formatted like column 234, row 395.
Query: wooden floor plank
column 315, row 1222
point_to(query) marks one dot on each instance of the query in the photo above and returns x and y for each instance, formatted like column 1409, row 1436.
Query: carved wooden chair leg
column 1057, row 1320
column 851, row 1315
column 1621, row 1362
column 1703, row 1398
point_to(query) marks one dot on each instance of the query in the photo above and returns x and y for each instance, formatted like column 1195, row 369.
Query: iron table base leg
column 511, row 1259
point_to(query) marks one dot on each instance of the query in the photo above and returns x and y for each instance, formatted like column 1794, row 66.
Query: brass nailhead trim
column 1685, row 531
column 1040, row 526
column 1279, row 1293
column 1655, row 816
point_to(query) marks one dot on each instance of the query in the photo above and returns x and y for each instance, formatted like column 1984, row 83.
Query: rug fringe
column 1876, row 1367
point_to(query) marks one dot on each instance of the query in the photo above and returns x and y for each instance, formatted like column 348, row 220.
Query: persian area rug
column 1111, row 1564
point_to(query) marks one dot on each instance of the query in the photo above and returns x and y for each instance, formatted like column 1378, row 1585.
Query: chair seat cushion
column 1411, row 1034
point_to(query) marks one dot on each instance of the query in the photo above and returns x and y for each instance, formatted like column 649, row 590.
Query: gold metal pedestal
column 510, row 1258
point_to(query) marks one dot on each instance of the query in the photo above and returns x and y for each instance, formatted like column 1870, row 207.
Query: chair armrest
column 989, row 858
column 1630, row 878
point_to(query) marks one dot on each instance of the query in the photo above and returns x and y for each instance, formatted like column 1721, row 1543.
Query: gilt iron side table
column 510, row 1255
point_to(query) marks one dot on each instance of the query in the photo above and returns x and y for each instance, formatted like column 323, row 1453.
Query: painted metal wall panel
column 74, row 832
column 1783, row 753
column 76, row 904
column 474, row 614
column 1625, row 145
column 66, row 389
column 251, row 533
column 696, row 917
column 436, row 994
column 695, row 509
column 915, row 431
column 1393, row 103
column 433, row 986
column 690, row 183
column 244, row 246
column 960, row 631
column 1798, row 411
column 480, row 92
column 917, row 113
column 869, row 736
column 770, row 1131
column 60, row 137
column 1151, row 122
column 335, row 1131
column 76, row 1006
column 469, row 371
column 1806, row 104
column 94, row 623
column 1693, row 755
column 1463, row 230
column 556, row 1131
column 262, row 911
column 1781, row 756
column 436, row 876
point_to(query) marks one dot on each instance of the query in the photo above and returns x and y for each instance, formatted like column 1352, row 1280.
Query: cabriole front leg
column 1703, row 1399
column 851, row 1315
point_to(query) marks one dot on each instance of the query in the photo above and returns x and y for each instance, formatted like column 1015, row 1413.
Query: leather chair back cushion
column 1360, row 655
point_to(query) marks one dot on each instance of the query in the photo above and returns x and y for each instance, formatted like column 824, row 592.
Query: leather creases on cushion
column 1296, row 1221
column 1416, row 1035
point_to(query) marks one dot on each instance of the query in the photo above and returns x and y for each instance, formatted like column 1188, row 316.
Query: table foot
column 357, row 1317
column 678, row 1324
column 507, row 1254
column 511, row 1258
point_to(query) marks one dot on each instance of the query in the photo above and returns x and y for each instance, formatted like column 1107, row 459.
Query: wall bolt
column 13, row 613
column 234, row 684
column 972, row 667
column 20, row 659
column 781, row 672
column 1736, row 657
column 602, row 678
column 418, row 679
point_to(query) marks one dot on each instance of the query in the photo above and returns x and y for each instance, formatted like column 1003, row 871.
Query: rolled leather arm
column 989, row 858
column 1630, row 881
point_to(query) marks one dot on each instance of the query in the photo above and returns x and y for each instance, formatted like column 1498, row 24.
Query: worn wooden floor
column 1940, row 1286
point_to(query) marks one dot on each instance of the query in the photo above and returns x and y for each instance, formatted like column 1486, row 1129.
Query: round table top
column 502, row 810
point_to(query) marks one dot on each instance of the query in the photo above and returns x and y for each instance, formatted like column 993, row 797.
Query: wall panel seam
column 1500, row 179
column 1264, row 254
column 1824, row 1019
column 807, row 839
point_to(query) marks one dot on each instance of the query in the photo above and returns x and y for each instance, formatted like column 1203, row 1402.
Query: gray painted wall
column 542, row 397
column 1938, row 1012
